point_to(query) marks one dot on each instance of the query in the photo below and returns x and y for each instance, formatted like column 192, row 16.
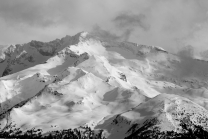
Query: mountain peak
column 81, row 36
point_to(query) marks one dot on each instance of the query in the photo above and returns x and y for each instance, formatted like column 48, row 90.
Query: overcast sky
column 171, row 24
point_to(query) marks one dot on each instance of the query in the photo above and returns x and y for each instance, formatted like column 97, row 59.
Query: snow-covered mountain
column 120, row 88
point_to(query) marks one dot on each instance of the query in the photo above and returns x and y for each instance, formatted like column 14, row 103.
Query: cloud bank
column 171, row 24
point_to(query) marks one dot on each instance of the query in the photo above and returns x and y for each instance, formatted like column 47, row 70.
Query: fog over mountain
column 103, row 69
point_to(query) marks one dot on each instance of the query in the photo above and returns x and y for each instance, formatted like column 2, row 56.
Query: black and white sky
column 171, row 24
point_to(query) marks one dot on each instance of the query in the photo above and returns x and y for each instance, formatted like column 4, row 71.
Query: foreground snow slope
column 83, row 80
column 167, row 110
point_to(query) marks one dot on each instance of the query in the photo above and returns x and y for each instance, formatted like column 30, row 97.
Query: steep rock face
column 121, row 88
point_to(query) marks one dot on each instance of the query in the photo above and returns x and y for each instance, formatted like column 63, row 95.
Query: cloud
column 187, row 52
column 204, row 54
column 104, row 34
column 171, row 24
column 110, row 36
column 125, row 20
column 126, row 23
column 25, row 12
column 127, row 34
column 189, row 67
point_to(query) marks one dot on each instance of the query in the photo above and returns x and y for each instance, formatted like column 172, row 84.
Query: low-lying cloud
column 189, row 66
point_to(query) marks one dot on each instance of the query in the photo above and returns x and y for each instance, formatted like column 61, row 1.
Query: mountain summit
column 117, row 89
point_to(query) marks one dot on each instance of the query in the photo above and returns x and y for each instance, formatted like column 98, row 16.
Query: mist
column 189, row 66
